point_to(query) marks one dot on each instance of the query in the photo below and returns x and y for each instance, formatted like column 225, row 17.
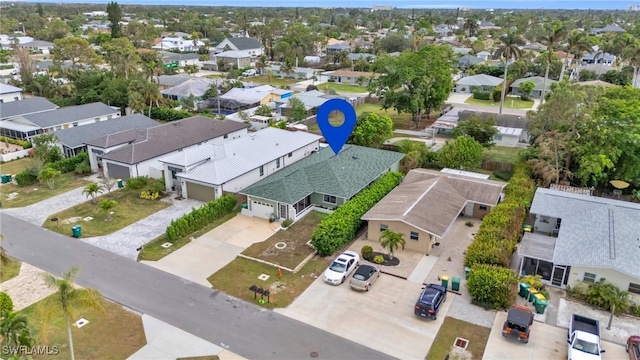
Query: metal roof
column 508, row 131
column 72, row 113
column 25, row 107
column 196, row 87
column 537, row 246
column 77, row 136
column 480, row 80
column 8, row 89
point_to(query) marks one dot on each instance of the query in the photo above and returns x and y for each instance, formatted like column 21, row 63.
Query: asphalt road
column 243, row 328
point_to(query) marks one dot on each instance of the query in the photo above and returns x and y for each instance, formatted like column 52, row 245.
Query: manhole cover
column 281, row 245
column 167, row 245
column 314, row 354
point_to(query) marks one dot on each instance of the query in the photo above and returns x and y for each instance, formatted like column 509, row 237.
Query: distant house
column 8, row 41
column 599, row 58
column 245, row 98
column 467, row 61
column 9, row 93
column 169, row 81
column 536, row 46
column 612, row 28
column 321, row 179
column 301, row 73
column 180, row 59
column 428, row 202
column 336, row 48
column 207, row 172
column 178, row 44
column 132, row 152
column 196, row 86
column 512, row 129
column 247, row 44
column 480, row 82
column 227, row 60
column 484, row 55
column 357, row 56
column 442, row 29
column 488, row 25
column 38, row 46
column 351, row 77
column 312, row 59
column 461, row 50
column 311, row 100
column 537, row 90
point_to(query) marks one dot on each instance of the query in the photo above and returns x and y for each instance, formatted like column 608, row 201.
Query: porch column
column 521, row 265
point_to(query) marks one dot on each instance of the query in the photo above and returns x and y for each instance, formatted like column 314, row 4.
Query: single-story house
column 613, row 28
column 336, row 48
column 427, row 202
column 9, row 93
column 467, row 61
column 484, row 55
column 537, row 90
column 39, row 46
column 196, row 86
column 311, row 100
column 168, row 43
column 599, row 58
column 132, row 153
column 246, row 98
column 488, row 25
column 8, row 41
column 578, row 237
column 512, row 129
column 72, row 140
column 312, row 59
column 357, row 56
column 12, row 122
column 227, row 60
column 207, row 172
column 169, row 81
column 323, row 179
column 248, row 44
column 461, row 50
column 480, row 82
column 181, row 59
column 296, row 73
column 351, row 77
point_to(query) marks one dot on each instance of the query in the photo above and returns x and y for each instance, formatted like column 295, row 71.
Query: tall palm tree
column 261, row 64
column 136, row 102
column 270, row 75
column 508, row 50
column 391, row 241
column 618, row 300
column 578, row 44
column 70, row 300
column 286, row 68
column 470, row 27
column 553, row 36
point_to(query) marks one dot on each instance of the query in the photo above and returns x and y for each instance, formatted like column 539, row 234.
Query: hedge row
column 492, row 287
column 78, row 163
column 168, row 114
column 69, row 164
column 200, row 217
column 23, row 143
column 340, row 227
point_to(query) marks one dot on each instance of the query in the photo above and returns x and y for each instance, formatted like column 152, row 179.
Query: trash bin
column 541, row 305
column 527, row 228
column 466, row 272
column 245, row 205
column 532, row 294
column 120, row 183
column 9, row 177
column 76, row 231
column 4, row 178
column 538, row 297
column 524, row 290
column 445, row 281
column 455, row 284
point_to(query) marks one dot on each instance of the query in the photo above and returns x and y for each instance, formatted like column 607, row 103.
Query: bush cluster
column 26, row 178
column 340, row 227
column 598, row 294
column 492, row 287
column 30, row 176
column 69, row 164
column 200, row 217
column 481, row 95
column 168, row 114
column 137, row 183
column 148, row 195
column 367, row 252
column 23, row 143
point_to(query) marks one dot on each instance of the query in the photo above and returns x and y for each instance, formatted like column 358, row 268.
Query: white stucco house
column 207, row 172
column 247, row 44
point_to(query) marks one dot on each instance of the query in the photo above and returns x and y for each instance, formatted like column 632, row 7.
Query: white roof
column 236, row 157
column 465, row 173
column 480, row 80
column 16, row 126
column 250, row 95
column 509, row 131
column 8, row 89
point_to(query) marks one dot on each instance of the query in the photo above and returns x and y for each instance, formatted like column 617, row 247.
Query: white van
column 250, row 72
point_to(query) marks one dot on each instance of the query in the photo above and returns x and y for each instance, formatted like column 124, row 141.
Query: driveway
column 210, row 252
column 381, row 319
column 546, row 342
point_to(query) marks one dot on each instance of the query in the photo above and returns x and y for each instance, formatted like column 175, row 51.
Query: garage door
column 200, row 192
column 261, row 209
column 118, row 171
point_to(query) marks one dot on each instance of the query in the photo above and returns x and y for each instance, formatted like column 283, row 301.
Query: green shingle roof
column 342, row 175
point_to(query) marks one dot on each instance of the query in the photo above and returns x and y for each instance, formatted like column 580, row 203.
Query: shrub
column 367, row 252
column 503, row 174
column 492, row 287
column 6, row 304
column 379, row 259
column 157, row 186
column 137, row 183
column 149, row 195
column 340, row 227
column 69, row 164
column 23, row 143
column 83, row 168
column 26, row 178
column 200, row 217
column 286, row 223
column 481, row 95
column 497, row 95
column 168, row 114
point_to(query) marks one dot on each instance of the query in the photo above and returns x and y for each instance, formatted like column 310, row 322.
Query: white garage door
column 261, row 209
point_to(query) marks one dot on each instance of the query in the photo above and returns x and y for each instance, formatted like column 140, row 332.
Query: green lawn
column 275, row 81
column 453, row 328
column 510, row 102
column 345, row 88
column 240, row 274
column 35, row 193
column 501, row 153
column 215, row 76
column 16, row 166
column 152, row 251
column 131, row 208
column 9, row 268
column 113, row 334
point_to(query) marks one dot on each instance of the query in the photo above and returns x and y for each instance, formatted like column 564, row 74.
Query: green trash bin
column 466, row 272
column 541, row 305
column 532, row 294
column 445, row 281
column 120, row 183
column 76, row 231
column 4, row 178
column 455, row 284
column 524, row 290
column 9, row 177
column 245, row 205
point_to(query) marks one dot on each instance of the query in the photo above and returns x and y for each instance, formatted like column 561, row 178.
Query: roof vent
column 354, row 157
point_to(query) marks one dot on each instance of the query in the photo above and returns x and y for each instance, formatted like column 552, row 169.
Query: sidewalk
column 27, row 288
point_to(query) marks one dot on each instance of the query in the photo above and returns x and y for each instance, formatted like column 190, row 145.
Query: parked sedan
column 364, row 277
column 633, row 347
column 341, row 267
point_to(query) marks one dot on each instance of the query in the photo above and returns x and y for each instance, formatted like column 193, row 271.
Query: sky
column 417, row 4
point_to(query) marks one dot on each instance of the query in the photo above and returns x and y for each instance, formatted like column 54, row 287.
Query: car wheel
column 343, row 279
column 626, row 347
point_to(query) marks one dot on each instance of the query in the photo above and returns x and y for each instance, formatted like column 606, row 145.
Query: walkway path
column 27, row 288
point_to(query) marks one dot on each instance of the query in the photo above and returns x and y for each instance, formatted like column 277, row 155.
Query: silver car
column 364, row 277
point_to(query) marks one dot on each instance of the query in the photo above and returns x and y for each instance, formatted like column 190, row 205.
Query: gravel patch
column 463, row 309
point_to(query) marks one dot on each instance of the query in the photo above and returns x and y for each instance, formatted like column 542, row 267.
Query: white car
column 341, row 267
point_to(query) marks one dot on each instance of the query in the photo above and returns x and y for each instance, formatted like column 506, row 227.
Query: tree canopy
column 482, row 131
column 463, row 153
column 371, row 130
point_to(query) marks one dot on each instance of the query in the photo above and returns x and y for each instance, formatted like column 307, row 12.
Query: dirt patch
column 276, row 287
column 71, row 220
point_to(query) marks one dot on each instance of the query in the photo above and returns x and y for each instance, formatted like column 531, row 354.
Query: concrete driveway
column 212, row 251
column 547, row 342
column 381, row 319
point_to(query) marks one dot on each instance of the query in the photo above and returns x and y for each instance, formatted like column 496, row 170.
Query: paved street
column 240, row 327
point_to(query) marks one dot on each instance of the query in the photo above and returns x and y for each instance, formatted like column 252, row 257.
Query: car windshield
column 586, row 346
column 359, row 277
column 337, row 267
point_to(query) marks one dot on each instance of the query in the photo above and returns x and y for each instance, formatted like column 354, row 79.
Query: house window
column 278, row 163
column 497, row 137
column 558, row 222
column 97, row 119
column 75, row 124
column 634, row 288
column 225, row 136
column 109, row 117
column 330, row 199
column 482, row 207
column 414, row 236
column 383, row 227
column 261, row 170
column 290, row 154
column 589, row 277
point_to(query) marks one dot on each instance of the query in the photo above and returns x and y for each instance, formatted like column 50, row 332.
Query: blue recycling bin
column 76, row 231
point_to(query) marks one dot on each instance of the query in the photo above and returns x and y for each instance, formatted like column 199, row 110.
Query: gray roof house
column 336, row 48
column 167, row 81
column 481, row 82
column 321, row 179
column 246, row 44
column 71, row 116
column 196, row 86
column 366, row 56
column 614, row 28
column 538, row 81
column 9, row 93
column 599, row 58
column 578, row 237
column 72, row 140
column 467, row 61
column 12, row 121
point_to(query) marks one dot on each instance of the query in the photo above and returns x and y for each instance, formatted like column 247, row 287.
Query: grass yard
column 510, row 102
column 113, row 334
column 451, row 329
column 296, row 237
column 16, row 166
column 9, row 268
column 35, row 193
column 152, row 251
column 215, row 76
column 400, row 121
column 236, row 278
column 345, row 88
column 501, row 153
column 131, row 208
column 275, row 81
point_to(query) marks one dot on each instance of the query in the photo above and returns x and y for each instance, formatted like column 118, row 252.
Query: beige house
column 428, row 202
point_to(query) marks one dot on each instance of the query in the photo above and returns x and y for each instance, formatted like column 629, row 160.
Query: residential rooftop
column 25, row 107
column 76, row 136
column 72, row 113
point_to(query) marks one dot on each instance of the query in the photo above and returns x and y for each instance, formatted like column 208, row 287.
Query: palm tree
column 107, row 206
column 554, row 34
column 261, row 64
column 136, row 102
column 578, row 44
column 70, row 300
column 508, row 50
column 470, row 27
column 14, row 329
column 286, row 68
column 92, row 190
column 270, row 75
column 618, row 300
column 391, row 241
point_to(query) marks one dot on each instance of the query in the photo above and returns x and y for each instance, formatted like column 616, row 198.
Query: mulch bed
column 387, row 261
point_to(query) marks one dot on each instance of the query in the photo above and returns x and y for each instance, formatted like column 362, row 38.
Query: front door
column 558, row 276
column 283, row 211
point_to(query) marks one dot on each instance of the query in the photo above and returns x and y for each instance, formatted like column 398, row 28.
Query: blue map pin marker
column 336, row 136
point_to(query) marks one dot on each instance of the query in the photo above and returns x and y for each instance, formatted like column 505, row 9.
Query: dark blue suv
column 430, row 301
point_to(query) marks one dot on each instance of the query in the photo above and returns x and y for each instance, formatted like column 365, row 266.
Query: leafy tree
column 137, row 102
column 92, row 190
column 578, row 44
column 554, row 34
column 391, row 241
column 508, row 50
column 525, row 89
column 463, row 152
column 106, row 206
column 371, row 130
column 482, row 131
column 69, row 300
column 45, row 149
column 188, row 103
column 52, row 30
column 48, row 175
column 264, row 110
column 6, row 304
column 122, row 56
column 297, row 110
column 549, row 165
column 115, row 16
column 616, row 77
column 107, row 183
